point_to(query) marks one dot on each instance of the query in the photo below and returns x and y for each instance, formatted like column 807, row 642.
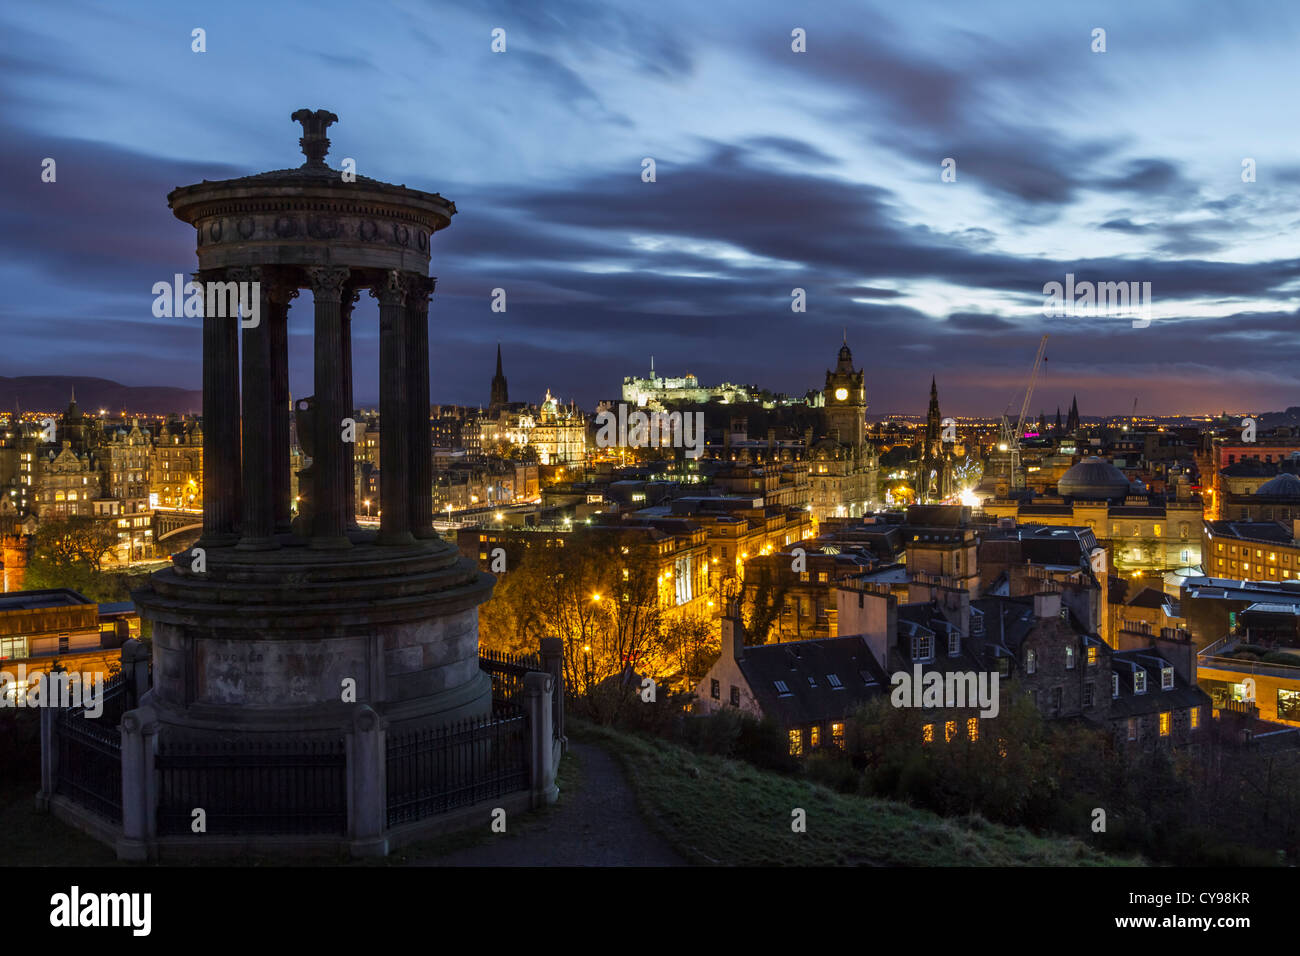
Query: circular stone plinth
column 295, row 636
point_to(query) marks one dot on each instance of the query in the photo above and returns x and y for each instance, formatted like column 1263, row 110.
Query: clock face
column 841, row 394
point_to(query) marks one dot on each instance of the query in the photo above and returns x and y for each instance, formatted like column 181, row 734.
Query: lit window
column 1002, row 747
column 1132, row 728
column 1195, row 713
column 922, row 647
column 1031, row 662
column 837, row 735
column 1166, row 678
column 927, row 734
column 949, row 730
column 1069, row 658
column 973, row 728
column 1166, row 723
column 814, row 736
column 1139, row 681
column 1092, row 656
column 796, row 743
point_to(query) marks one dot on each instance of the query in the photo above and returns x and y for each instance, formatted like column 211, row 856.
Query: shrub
column 765, row 745
column 832, row 768
column 717, row 733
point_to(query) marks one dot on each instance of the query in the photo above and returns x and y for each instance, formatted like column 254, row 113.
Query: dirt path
column 597, row 824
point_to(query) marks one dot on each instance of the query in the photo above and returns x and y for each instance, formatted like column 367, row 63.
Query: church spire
column 500, row 396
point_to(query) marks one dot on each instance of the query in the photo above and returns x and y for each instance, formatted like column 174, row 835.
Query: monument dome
column 1093, row 479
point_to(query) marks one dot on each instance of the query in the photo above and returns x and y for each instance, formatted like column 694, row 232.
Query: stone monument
column 271, row 626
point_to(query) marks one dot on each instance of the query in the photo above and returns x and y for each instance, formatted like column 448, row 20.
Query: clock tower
column 845, row 400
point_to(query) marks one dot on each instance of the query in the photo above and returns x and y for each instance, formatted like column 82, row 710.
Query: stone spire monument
column 267, row 623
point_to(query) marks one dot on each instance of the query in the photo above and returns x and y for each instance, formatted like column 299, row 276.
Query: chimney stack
column 733, row 634
column 1047, row 604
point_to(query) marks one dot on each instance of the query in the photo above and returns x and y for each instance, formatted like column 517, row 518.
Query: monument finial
column 315, row 144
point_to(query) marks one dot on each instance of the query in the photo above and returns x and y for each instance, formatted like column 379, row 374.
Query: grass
column 718, row 811
column 38, row 839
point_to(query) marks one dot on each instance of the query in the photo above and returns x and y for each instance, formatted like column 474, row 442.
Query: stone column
column 538, row 688
column 553, row 664
column 49, row 756
column 257, row 528
column 329, row 509
column 221, row 453
column 279, row 296
column 367, row 784
column 417, row 370
column 394, row 412
column 139, row 785
column 351, row 294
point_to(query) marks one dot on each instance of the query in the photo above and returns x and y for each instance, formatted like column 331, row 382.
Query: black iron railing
column 277, row 786
column 433, row 771
column 89, row 756
column 507, row 672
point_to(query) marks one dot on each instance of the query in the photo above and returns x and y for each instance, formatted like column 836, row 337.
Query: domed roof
column 1093, row 479
column 1285, row 485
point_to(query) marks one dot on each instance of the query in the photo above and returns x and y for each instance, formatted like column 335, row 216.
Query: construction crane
column 1010, row 438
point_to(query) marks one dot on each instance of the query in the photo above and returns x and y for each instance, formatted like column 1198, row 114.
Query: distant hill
column 47, row 393
column 1289, row 417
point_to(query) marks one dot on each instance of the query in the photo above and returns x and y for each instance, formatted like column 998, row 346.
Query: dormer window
column 922, row 647
column 781, row 688
column 1031, row 661
column 1139, row 681
column 812, row 682
column 1166, row 678
column 954, row 643
column 834, row 681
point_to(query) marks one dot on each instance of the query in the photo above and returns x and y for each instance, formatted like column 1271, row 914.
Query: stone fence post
column 49, row 756
column 135, row 671
column 139, row 785
column 367, row 783
column 539, row 688
column 553, row 664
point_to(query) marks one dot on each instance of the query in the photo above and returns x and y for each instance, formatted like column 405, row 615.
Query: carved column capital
column 328, row 280
column 245, row 274
column 419, row 288
column 281, row 292
column 393, row 289
column 351, row 296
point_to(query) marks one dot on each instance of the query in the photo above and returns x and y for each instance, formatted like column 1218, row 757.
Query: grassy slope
column 721, row 811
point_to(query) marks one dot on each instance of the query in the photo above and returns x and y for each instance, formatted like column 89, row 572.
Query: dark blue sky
column 776, row 170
